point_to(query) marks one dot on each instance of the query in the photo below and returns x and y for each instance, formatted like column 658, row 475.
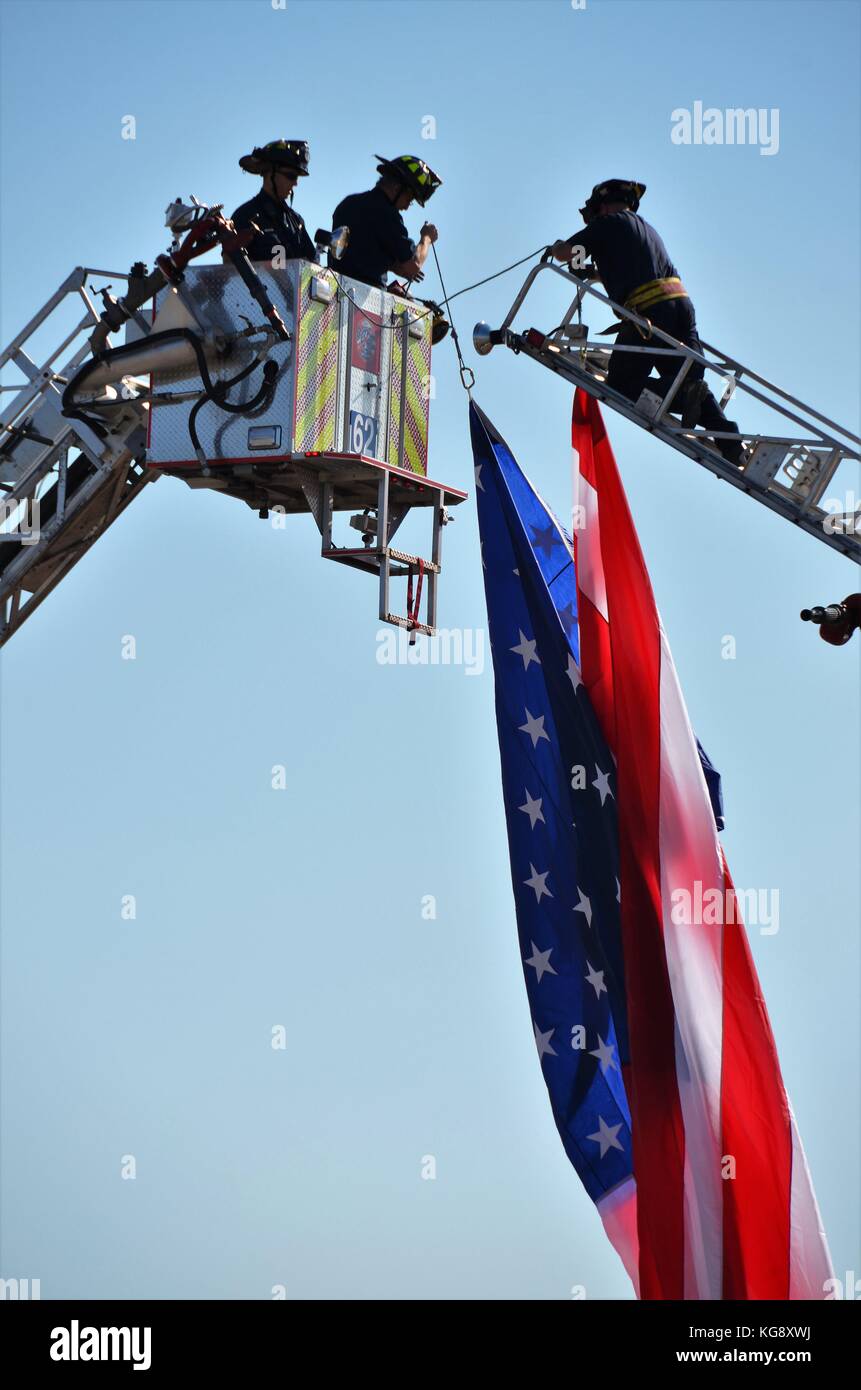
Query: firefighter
column 280, row 229
column 633, row 264
column 379, row 241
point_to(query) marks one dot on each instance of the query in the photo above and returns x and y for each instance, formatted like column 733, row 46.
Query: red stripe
column 756, row 1131
column 632, row 728
column 596, row 658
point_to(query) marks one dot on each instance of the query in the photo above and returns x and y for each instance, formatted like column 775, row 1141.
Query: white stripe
column 690, row 862
column 590, row 568
column 618, row 1211
column 809, row 1258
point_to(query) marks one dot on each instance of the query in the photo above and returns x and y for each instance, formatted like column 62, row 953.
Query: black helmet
column 412, row 172
column 613, row 191
column 278, row 154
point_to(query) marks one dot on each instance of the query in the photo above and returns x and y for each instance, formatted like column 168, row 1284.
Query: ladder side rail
column 782, row 502
column 682, row 348
column 14, row 613
column 763, row 381
column 678, row 381
column 69, row 286
column 820, row 436
column 34, row 554
column 43, row 375
column 525, row 288
column 90, row 443
column 827, row 468
column 77, row 435
column 75, row 283
column 92, row 309
column 85, row 323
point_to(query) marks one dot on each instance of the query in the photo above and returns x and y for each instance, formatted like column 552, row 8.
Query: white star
column 584, row 906
column 618, row 891
column 573, row 672
column 532, row 808
column 542, row 1042
column 517, row 572
column 478, row 483
column 602, row 782
column 604, row 1053
column 596, row 980
column 540, row 960
column 534, row 728
column 606, row 1136
column 526, row 649
column 538, row 883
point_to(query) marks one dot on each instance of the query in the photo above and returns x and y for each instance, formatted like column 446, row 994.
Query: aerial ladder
column 789, row 470
column 293, row 389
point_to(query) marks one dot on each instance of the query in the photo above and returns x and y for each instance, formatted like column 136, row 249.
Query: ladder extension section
column 788, row 471
column 61, row 485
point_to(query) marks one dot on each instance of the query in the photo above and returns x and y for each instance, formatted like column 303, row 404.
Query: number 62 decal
column 363, row 434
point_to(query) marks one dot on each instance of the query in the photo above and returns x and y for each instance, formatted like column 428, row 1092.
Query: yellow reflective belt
column 654, row 291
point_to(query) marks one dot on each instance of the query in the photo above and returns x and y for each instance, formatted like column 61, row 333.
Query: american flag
column 652, row 1034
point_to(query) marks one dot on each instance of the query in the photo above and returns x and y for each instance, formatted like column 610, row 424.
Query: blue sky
column 405, row 1037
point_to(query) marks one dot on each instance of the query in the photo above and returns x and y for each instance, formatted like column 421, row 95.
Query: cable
column 372, row 318
column 497, row 274
column 466, row 289
column 465, row 371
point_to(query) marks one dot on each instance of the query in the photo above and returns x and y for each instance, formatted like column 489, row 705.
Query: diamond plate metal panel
column 223, row 302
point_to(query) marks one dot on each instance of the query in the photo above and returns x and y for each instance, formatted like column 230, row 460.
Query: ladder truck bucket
column 293, row 390
column 344, row 428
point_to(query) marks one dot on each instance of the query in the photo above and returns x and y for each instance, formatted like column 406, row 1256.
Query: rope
column 465, row 371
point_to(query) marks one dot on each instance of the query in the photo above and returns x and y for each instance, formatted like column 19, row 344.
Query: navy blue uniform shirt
column 626, row 250
column 279, row 226
column 379, row 239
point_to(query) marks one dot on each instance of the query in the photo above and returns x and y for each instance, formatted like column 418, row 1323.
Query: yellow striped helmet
column 413, row 173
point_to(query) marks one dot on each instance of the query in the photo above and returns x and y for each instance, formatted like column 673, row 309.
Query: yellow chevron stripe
column 311, row 423
column 319, row 343
column 412, row 457
column 395, row 396
column 417, row 405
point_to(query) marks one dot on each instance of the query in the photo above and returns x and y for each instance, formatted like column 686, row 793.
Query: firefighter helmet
column 613, row 191
column 278, row 154
column 412, row 172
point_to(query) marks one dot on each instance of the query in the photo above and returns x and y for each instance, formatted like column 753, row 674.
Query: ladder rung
column 398, row 621
column 415, row 560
